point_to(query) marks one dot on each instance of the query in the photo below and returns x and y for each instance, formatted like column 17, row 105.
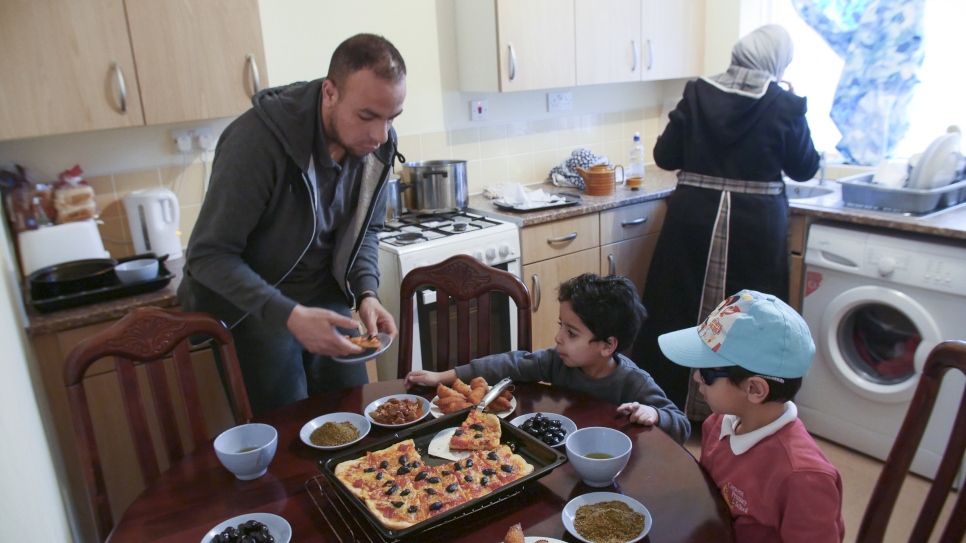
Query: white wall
column 29, row 492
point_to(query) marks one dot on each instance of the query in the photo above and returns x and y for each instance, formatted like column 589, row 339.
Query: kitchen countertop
column 57, row 321
column 657, row 184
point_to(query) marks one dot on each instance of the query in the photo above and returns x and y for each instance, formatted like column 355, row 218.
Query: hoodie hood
column 291, row 114
column 729, row 116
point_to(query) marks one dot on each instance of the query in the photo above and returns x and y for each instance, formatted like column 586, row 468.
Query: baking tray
column 569, row 200
column 112, row 291
column 543, row 458
column 859, row 191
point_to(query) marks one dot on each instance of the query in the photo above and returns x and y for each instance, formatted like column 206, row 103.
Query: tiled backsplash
column 520, row 152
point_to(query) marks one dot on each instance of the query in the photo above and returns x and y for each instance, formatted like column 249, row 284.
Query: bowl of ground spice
column 606, row 517
column 334, row 431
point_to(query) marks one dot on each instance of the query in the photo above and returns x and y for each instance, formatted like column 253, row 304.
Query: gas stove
column 415, row 229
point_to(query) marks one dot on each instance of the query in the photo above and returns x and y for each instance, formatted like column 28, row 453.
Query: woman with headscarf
column 731, row 136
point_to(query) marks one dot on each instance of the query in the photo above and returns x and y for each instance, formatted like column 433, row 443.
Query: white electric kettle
column 154, row 218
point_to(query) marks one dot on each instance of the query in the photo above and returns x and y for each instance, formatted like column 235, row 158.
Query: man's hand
column 640, row 414
column 375, row 317
column 315, row 329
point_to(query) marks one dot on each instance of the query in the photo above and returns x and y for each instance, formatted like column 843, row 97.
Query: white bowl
column 246, row 450
column 375, row 405
column 597, row 439
column 570, row 511
column 279, row 527
column 361, row 423
column 566, row 424
column 135, row 271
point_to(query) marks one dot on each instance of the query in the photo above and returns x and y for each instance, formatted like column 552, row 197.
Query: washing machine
column 876, row 305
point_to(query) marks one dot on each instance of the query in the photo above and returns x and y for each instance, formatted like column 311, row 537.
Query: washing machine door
column 877, row 340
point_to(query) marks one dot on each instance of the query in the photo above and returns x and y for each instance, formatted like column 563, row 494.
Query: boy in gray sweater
column 599, row 316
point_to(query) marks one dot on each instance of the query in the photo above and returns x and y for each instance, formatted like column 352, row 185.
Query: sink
column 798, row 191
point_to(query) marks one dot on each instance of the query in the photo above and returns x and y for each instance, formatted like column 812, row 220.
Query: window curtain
column 881, row 42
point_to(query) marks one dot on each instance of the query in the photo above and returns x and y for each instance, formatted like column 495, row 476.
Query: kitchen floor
column 859, row 475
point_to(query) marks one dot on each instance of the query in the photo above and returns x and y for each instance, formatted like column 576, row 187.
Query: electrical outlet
column 478, row 110
column 205, row 136
column 182, row 140
column 560, row 101
column 201, row 138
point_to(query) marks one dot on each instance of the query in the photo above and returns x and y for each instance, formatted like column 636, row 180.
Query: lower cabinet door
column 630, row 258
column 543, row 278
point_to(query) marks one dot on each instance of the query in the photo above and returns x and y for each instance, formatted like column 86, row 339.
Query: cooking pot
column 434, row 185
column 394, row 206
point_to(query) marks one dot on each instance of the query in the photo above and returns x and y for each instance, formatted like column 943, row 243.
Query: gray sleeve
column 243, row 178
column 521, row 366
column 644, row 390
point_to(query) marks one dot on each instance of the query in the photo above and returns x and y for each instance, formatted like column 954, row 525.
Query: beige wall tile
column 519, row 138
column 545, row 134
column 649, row 149
column 590, row 132
column 633, row 122
column 493, row 141
column 435, row 146
column 474, row 177
column 652, row 123
column 544, row 161
column 568, row 135
column 615, row 151
column 611, row 126
column 464, row 144
column 520, row 169
column 411, row 147
column 105, row 197
column 494, row 171
column 126, row 183
column 189, row 217
column 190, row 189
column 116, row 238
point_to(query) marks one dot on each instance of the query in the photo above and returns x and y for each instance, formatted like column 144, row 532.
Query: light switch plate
column 479, row 110
column 559, row 101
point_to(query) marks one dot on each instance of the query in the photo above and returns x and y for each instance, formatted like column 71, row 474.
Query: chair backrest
column 462, row 278
column 148, row 335
column 949, row 355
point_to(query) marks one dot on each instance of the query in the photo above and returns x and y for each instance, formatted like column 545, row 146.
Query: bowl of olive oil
column 247, row 449
column 598, row 454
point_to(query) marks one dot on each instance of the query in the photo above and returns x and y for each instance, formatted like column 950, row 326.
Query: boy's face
column 575, row 342
column 722, row 395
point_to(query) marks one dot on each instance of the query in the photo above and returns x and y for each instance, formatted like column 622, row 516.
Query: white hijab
column 756, row 60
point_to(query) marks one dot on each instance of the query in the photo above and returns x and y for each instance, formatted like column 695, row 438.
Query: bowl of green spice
column 334, row 431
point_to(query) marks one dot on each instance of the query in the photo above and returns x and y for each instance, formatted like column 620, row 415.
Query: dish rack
column 859, row 191
column 349, row 528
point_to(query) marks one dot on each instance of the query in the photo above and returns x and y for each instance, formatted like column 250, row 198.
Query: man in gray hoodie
column 285, row 244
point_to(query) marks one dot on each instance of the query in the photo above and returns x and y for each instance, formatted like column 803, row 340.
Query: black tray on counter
column 543, row 458
column 106, row 293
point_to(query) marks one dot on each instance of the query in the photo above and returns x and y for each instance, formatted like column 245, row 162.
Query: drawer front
column 559, row 238
column 631, row 221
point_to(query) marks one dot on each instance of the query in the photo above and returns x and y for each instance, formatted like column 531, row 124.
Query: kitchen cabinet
column 672, row 41
column 515, row 45
column 797, row 234
column 97, row 64
column 628, row 237
column 115, row 444
column 608, row 41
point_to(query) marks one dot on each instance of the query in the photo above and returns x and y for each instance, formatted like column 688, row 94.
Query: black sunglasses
column 708, row 375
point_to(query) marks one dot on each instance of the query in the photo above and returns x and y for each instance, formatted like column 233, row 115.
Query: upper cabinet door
column 608, row 39
column 198, row 59
column 673, row 39
column 535, row 46
column 64, row 66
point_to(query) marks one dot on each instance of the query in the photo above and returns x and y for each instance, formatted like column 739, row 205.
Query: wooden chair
column 148, row 335
column 944, row 357
column 462, row 278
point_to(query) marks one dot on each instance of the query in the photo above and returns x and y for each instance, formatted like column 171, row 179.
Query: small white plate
column 535, row 539
column 279, row 527
column 361, row 423
column 375, row 405
column 502, row 414
column 385, row 340
column 565, row 423
column 570, row 511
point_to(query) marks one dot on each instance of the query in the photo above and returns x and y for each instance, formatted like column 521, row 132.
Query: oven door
column 503, row 317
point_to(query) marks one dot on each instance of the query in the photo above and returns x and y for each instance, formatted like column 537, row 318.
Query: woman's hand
column 640, row 414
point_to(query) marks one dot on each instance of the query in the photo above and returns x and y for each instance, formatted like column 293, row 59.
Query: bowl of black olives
column 550, row 428
column 253, row 527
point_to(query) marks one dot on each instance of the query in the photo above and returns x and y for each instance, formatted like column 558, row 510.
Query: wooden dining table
column 198, row 493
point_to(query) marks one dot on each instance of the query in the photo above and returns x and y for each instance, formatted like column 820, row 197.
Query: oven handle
column 568, row 237
column 535, row 297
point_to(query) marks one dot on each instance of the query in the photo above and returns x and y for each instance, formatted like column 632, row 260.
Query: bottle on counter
column 635, row 167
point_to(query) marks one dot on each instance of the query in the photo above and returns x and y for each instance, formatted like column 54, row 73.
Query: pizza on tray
column 401, row 491
column 479, row 432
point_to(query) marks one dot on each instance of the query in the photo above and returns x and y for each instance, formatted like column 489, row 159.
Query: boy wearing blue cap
column 750, row 356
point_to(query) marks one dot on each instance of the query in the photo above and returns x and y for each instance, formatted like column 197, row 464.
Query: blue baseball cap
column 756, row 331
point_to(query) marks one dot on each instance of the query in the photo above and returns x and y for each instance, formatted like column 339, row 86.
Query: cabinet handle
column 256, row 81
column 511, row 62
column 650, row 55
column 635, row 56
column 568, row 237
column 635, row 222
column 535, row 297
column 611, row 265
column 121, row 87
